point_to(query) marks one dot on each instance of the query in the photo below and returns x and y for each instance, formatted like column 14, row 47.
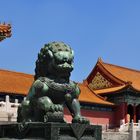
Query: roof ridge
column 130, row 69
column 102, row 64
column 18, row 73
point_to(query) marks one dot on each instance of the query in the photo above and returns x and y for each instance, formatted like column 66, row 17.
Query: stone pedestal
column 50, row 131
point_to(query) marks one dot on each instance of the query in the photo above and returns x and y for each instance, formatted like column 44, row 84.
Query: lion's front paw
column 56, row 108
column 55, row 114
column 80, row 119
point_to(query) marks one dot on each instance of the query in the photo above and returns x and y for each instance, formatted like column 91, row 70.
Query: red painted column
column 121, row 113
column 126, row 121
column 134, row 108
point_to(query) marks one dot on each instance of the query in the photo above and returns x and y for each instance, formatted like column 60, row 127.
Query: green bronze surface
column 52, row 87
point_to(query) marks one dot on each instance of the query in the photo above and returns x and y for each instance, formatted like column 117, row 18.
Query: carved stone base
column 50, row 131
column 54, row 117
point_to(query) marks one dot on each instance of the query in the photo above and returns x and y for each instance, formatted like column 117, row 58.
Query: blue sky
column 93, row 28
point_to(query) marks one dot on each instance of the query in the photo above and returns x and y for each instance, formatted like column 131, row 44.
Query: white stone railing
column 124, row 127
column 130, row 126
column 135, row 125
column 8, row 110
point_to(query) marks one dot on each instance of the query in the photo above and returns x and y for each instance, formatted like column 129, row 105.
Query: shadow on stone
column 50, row 131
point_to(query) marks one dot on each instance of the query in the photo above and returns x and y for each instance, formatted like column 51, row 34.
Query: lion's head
column 55, row 58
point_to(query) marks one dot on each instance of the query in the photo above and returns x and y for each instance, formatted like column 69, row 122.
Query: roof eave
column 100, row 65
column 105, row 104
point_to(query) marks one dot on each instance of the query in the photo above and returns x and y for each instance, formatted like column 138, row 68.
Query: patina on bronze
column 52, row 87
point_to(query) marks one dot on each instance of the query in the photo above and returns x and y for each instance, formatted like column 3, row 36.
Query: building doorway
column 137, row 113
column 130, row 111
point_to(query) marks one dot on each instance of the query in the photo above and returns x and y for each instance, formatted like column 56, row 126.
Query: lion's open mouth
column 64, row 67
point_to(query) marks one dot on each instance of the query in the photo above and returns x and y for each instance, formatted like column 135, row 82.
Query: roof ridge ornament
column 99, row 59
column 5, row 31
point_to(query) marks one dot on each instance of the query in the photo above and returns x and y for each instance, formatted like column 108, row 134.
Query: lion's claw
column 80, row 119
column 56, row 108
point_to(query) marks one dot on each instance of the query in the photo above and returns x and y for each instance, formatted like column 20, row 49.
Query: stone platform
column 50, row 131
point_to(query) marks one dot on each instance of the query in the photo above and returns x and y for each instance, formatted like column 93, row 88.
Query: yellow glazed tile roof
column 125, row 74
column 15, row 82
column 89, row 96
column 109, row 90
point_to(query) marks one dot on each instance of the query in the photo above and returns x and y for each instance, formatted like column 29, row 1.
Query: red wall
column 95, row 117
column 120, row 113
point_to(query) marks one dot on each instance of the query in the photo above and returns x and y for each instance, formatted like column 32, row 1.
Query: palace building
column 119, row 86
column 5, row 31
column 110, row 95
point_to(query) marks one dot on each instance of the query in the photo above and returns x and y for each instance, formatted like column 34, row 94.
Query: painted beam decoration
column 5, row 31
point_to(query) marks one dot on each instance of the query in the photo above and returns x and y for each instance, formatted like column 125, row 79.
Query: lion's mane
column 45, row 55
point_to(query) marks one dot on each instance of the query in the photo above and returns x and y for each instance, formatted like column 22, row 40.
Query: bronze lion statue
column 52, row 88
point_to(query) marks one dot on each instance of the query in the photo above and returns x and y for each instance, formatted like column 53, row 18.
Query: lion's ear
column 50, row 54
